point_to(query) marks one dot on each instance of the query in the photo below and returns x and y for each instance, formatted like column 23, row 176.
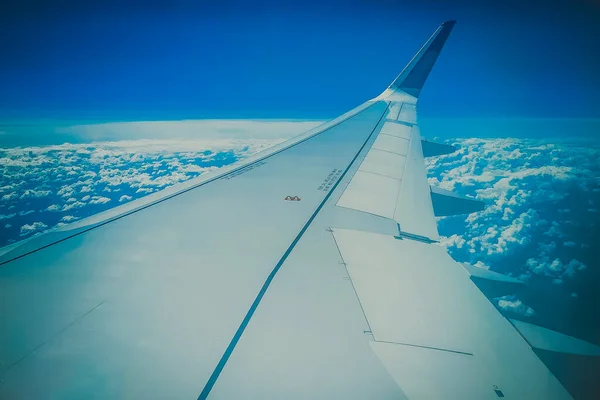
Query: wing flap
column 397, row 130
column 384, row 163
column 371, row 193
column 408, row 113
column 428, row 321
column 400, row 284
column 392, row 144
column 424, row 373
column 407, row 198
column 414, row 210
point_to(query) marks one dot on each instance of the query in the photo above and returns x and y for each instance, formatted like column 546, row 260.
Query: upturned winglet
column 413, row 76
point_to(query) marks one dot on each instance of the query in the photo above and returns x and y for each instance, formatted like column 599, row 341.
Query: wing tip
column 413, row 76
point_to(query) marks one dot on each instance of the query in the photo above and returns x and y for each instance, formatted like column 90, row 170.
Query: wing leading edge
column 222, row 288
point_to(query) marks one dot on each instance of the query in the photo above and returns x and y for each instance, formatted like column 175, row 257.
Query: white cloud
column 514, row 177
column 8, row 188
column 525, row 184
column 480, row 264
column 10, row 196
column 66, row 191
column 32, row 228
column 73, row 205
column 453, row 241
column 544, row 264
column 35, row 194
column 54, row 208
column 99, row 200
column 514, row 305
column 63, row 173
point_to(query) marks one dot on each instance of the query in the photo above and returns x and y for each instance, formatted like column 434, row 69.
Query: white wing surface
column 311, row 270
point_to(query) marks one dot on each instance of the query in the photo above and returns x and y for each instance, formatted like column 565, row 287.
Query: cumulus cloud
column 99, row 200
column 48, row 183
column 54, row 208
column 66, row 191
column 515, row 306
column 536, row 196
column 10, row 196
column 553, row 268
column 28, row 229
column 525, row 184
column 30, row 193
column 73, row 205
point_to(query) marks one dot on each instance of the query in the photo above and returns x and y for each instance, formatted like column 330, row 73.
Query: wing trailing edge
column 546, row 339
column 447, row 203
column 432, row 149
column 493, row 284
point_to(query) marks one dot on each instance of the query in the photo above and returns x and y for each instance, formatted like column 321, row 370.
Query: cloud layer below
column 541, row 207
column 46, row 186
column 542, row 198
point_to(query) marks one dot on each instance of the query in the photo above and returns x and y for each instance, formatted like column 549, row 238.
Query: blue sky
column 171, row 60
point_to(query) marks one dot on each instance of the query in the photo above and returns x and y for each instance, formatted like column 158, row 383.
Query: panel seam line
column 425, row 347
column 352, row 283
column 236, row 337
column 378, row 174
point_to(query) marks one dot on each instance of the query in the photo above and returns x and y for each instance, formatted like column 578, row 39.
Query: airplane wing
column 311, row 270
